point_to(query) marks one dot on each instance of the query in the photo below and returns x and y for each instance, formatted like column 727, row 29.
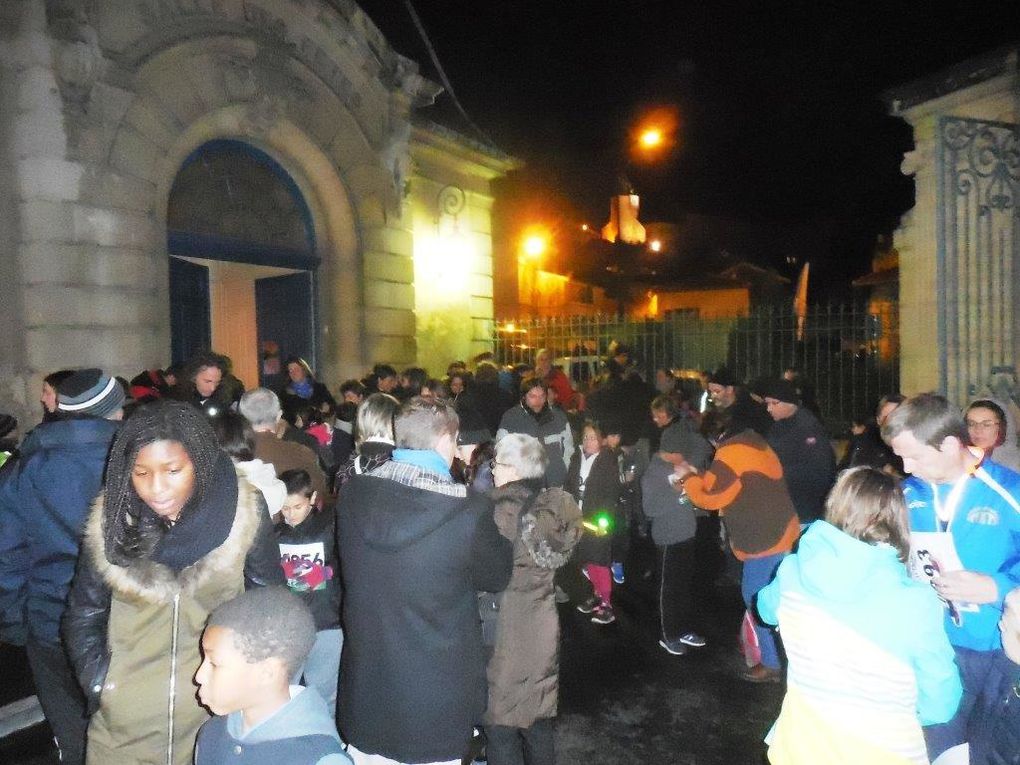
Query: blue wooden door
column 283, row 310
column 190, row 329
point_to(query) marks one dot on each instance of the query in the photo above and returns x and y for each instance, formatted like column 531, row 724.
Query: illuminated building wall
column 451, row 221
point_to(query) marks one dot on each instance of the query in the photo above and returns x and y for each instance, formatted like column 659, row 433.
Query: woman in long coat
column 523, row 672
column 176, row 532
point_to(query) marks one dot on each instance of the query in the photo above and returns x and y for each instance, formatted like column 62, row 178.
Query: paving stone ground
column 623, row 699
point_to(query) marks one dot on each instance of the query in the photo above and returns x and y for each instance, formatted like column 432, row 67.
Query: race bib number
column 933, row 554
column 305, row 567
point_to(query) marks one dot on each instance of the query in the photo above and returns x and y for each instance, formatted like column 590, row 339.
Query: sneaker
column 675, row 647
column 617, row 572
column 589, row 606
column 693, row 639
column 603, row 615
column 561, row 596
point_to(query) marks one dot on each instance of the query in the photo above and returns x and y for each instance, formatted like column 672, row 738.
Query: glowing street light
column 655, row 245
column 651, row 138
column 534, row 246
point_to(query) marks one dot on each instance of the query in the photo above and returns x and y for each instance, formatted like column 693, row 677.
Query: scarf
column 426, row 459
column 302, row 389
column 206, row 526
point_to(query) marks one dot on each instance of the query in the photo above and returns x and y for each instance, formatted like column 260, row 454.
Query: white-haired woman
column 373, row 437
column 523, row 672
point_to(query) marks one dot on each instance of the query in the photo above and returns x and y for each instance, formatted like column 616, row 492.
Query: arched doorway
column 243, row 262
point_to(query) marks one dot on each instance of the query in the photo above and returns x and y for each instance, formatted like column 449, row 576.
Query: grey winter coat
column 523, row 672
column 549, row 426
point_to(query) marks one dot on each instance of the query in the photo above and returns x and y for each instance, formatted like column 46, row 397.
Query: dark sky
column 778, row 100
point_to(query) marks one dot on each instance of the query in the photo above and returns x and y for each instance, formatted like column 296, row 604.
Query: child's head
column 251, row 647
column 1009, row 626
column 868, row 505
column 300, row 496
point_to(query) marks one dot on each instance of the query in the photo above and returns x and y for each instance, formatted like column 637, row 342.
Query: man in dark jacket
column 414, row 550
column 44, row 499
column 742, row 411
column 800, row 441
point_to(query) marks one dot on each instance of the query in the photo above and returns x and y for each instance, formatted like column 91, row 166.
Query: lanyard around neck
column 944, row 514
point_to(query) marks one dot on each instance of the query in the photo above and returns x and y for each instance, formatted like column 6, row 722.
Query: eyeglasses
column 983, row 425
column 493, row 463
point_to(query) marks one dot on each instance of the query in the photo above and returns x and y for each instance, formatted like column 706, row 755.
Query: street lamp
column 535, row 246
column 651, row 138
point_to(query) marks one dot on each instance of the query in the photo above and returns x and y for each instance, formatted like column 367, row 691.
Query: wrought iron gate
column 978, row 252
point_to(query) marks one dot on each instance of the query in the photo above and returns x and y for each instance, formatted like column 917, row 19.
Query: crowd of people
column 374, row 576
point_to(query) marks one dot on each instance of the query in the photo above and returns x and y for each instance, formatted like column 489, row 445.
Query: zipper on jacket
column 173, row 680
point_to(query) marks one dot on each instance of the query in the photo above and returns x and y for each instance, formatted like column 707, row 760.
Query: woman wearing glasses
column 988, row 428
column 523, row 672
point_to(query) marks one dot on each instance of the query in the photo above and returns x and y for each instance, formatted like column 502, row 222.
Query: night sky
column 778, row 102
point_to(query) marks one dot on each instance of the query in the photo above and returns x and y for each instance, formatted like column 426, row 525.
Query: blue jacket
column 301, row 732
column 866, row 589
column 986, row 534
column 44, row 499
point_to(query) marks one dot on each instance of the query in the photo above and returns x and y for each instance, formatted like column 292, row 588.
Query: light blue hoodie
column 304, row 715
column 867, row 589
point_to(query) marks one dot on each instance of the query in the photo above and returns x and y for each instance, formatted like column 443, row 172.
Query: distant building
column 639, row 271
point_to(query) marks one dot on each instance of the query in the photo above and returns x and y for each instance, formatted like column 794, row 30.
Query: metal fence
column 848, row 355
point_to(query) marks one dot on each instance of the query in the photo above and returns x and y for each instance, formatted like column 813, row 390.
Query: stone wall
column 451, row 206
column 101, row 101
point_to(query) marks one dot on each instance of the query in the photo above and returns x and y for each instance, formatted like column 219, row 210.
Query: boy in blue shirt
column 252, row 645
column 965, row 540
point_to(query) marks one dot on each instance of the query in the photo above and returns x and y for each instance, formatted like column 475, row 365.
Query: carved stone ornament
column 77, row 54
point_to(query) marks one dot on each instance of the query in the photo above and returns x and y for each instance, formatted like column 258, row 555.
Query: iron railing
column 848, row 355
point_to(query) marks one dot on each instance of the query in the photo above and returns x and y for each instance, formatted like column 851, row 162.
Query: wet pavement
column 622, row 697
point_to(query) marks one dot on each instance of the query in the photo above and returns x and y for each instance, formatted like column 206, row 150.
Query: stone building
column 250, row 174
column 959, row 249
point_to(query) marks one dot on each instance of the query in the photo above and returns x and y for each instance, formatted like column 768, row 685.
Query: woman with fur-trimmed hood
column 175, row 533
column 523, row 673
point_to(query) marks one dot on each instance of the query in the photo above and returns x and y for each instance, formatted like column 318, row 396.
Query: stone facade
column 100, row 103
column 958, row 277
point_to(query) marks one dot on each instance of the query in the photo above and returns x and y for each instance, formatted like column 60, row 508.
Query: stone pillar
column 917, row 244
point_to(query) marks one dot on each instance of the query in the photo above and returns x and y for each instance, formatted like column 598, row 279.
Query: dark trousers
column 981, row 673
column 60, row 698
column 708, row 553
column 521, row 746
column 676, row 598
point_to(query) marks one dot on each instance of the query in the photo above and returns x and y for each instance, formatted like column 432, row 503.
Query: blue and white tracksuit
column 986, row 533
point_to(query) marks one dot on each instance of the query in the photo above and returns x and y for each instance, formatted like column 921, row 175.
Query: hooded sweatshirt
column 262, row 476
column 868, row 661
column 414, row 551
column 300, row 732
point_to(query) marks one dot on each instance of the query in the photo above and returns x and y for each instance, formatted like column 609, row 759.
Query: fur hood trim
column 147, row 582
column 549, row 528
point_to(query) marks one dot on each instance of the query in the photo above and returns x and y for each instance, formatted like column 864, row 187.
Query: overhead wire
column 442, row 72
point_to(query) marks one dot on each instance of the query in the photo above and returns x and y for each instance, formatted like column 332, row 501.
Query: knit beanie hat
column 90, row 392
column 783, row 390
column 692, row 445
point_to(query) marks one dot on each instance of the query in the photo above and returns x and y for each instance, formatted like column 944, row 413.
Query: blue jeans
column 322, row 667
column 757, row 573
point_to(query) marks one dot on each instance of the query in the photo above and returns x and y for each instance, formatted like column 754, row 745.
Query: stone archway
column 106, row 99
column 242, row 263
